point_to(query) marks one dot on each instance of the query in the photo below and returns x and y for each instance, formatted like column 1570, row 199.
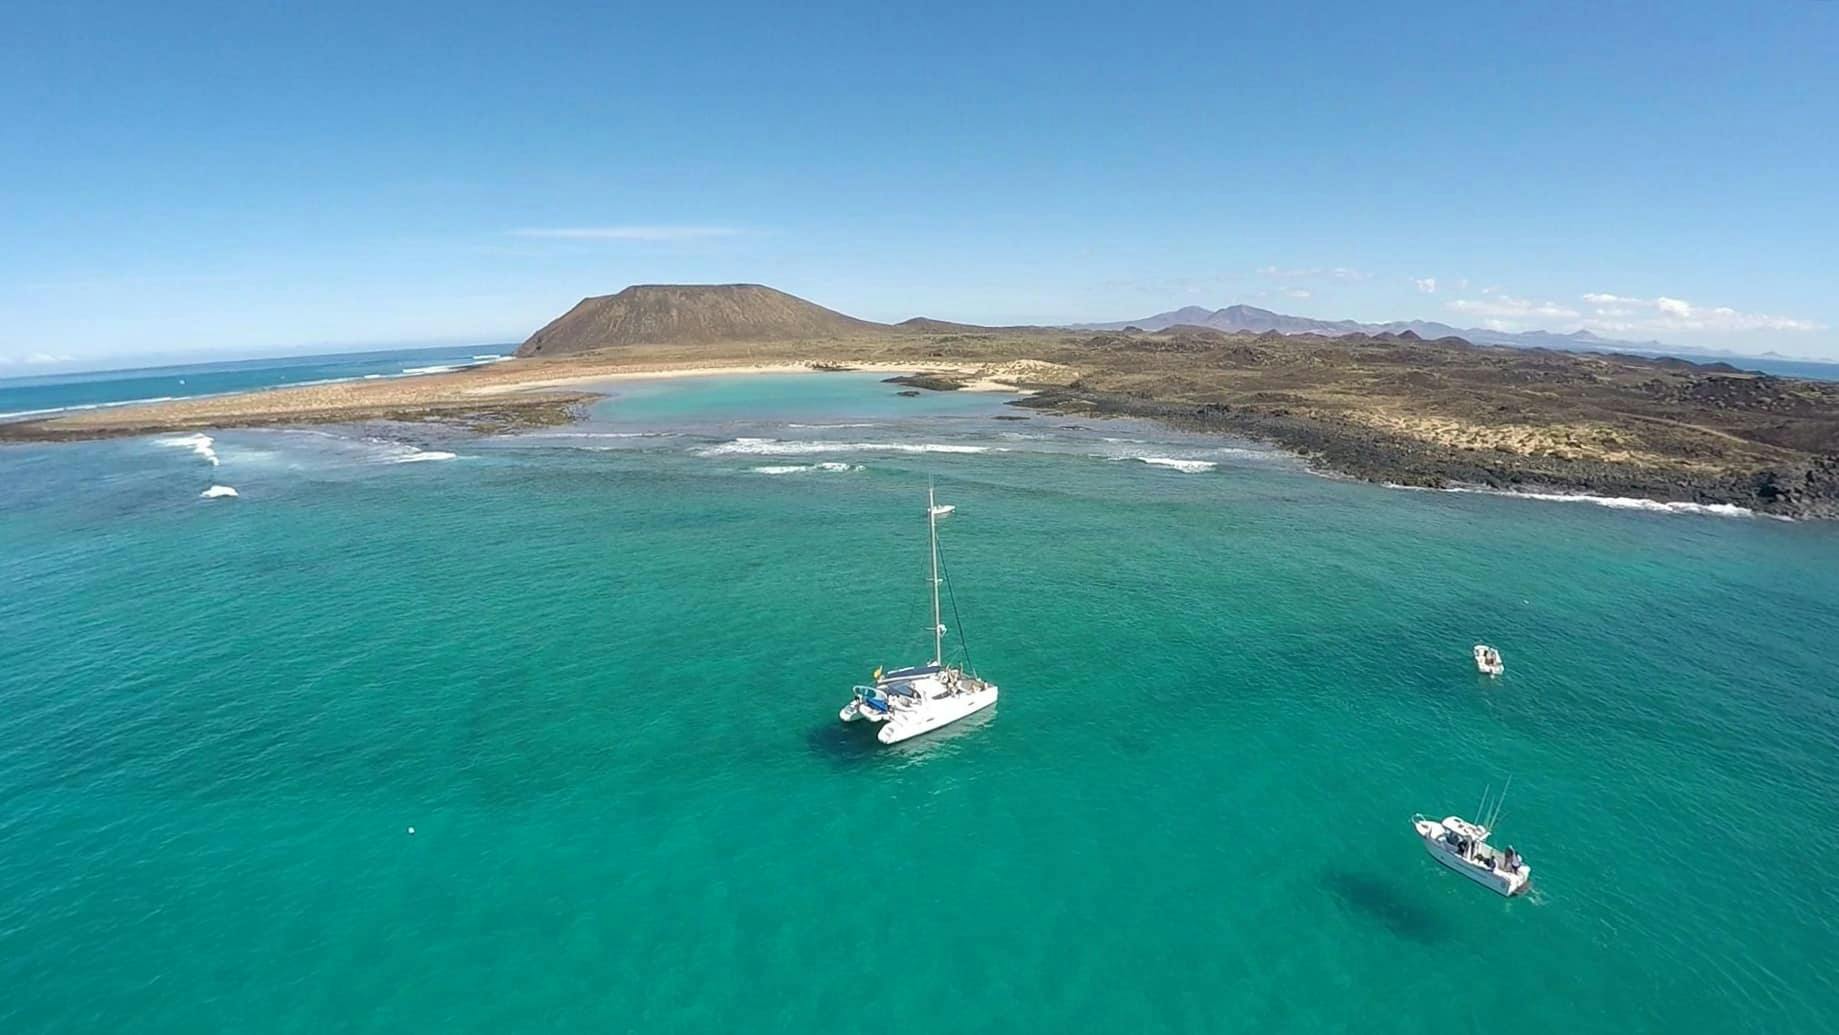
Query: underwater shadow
column 843, row 745
column 852, row 745
column 1387, row 905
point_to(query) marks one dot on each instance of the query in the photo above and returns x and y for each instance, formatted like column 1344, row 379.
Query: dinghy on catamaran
column 910, row 701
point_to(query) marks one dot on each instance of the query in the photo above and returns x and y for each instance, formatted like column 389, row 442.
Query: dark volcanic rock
column 930, row 382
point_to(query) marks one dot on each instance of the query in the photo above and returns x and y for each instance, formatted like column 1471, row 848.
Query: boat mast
column 932, row 528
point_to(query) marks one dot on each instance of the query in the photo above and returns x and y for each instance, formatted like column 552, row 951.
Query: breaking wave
column 86, row 406
column 594, row 434
column 774, row 447
column 1612, row 502
column 1626, row 503
column 416, row 456
column 197, row 443
column 446, row 369
column 1174, row 463
column 796, row 468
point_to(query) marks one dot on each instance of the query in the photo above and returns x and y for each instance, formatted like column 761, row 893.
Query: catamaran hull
column 937, row 714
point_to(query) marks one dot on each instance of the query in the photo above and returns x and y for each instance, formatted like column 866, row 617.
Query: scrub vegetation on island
column 1393, row 408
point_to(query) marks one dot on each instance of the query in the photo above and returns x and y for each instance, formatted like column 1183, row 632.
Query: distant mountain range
column 696, row 314
column 1256, row 320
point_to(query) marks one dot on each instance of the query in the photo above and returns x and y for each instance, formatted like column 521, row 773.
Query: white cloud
column 35, row 359
column 1296, row 293
column 1607, row 313
column 1428, row 285
column 1510, row 308
column 1621, row 314
column 1313, row 273
column 627, row 233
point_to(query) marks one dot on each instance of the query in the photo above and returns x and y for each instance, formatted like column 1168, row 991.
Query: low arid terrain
column 1392, row 408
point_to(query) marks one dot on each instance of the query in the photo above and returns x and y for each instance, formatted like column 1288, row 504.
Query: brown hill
column 689, row 314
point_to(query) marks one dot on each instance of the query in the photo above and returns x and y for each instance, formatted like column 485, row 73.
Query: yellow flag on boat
column 877, row 673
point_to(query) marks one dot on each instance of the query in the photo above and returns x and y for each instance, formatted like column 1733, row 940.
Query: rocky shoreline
column 1801, row 492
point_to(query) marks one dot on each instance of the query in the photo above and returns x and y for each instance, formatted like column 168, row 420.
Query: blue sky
column 239, row 177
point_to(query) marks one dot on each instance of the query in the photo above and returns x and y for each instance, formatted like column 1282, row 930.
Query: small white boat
column 1463, row 846
column 217, row 492
column 1488, row 660
column 942, row 509
column 910, row 701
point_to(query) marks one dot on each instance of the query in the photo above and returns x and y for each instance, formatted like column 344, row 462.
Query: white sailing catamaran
column 910, row 701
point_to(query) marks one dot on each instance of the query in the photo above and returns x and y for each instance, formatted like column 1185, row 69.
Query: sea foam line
column 416, row 456
column 1174, row 463
column 87, row 406
column 831, row 466
column 1730, row 510
column 197, row 443
column 594, row 434
column 774, row 447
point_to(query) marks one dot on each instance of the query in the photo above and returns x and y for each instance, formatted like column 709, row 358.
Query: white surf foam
column 830, row 466
column 490, row 359
column 416, row 456
column 1612, row 502
column 1625, row 502
column 1174, row 463
column 594, row 434
column 774, row 447
column 87, row 406
column 197, row 443
column 411, row 371
column 217, row 492
column 824, row 426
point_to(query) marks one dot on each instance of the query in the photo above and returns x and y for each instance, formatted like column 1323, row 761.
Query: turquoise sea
column 596, row 669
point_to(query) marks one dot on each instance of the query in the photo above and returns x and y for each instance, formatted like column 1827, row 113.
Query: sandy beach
column 496, row 397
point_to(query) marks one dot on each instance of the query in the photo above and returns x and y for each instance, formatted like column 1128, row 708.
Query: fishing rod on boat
column 1499, row 803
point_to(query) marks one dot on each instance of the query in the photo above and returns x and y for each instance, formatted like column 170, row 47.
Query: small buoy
column 411, row 830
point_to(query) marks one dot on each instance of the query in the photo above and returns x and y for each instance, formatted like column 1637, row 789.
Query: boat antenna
column 1481, row 807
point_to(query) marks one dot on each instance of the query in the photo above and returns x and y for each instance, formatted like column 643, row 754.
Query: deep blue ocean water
column 597, row 670
column 46, row 394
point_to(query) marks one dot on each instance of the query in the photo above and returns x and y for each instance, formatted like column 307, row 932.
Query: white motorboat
column 910, row 701
column 942, row 509
column 1463, row 846
column 1488, row 660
